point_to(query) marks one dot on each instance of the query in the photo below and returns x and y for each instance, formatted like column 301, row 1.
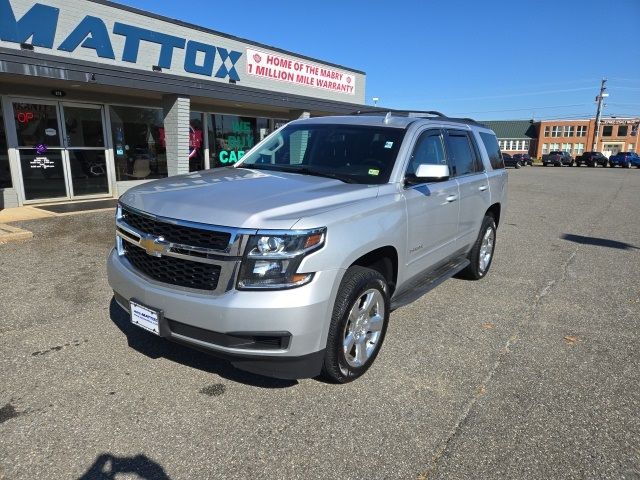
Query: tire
column 627, row 165
column 358, row 285
column 477, row 270
column 518, row 165
column 611, row 165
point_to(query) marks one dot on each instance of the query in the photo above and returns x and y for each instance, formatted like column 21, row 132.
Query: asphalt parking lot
column 533, row 372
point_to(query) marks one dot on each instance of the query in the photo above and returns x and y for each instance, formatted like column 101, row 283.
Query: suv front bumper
column 299, row 317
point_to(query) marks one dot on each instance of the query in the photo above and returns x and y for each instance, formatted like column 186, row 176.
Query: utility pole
column 599, row 100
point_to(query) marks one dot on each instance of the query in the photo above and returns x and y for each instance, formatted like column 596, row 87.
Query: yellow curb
column 13, row 234
column 17, row 214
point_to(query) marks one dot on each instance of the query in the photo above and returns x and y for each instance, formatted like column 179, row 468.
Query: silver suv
column 290, row 262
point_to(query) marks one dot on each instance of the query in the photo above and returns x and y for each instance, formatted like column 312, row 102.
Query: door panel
column 432, row 208
column 432, row 224
column 84, row 138
column 475, row 194
column 42, row 174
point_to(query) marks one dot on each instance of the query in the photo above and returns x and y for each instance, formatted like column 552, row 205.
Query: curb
column 9, row 233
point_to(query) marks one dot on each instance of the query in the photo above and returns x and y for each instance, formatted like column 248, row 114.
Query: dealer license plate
column 145, row 317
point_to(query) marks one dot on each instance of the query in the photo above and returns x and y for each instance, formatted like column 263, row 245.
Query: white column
column 176, row 133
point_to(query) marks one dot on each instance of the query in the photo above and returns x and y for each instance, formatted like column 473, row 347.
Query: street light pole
column 599, row 99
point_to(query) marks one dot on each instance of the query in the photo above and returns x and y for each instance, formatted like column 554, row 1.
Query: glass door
column 40, row 150
column 86, row 152
column 62, row 150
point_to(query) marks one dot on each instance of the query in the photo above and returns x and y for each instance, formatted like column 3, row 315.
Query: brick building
column 576, row 136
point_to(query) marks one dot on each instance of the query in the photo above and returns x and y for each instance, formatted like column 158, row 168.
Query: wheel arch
column 383, row 260
column 494, row 210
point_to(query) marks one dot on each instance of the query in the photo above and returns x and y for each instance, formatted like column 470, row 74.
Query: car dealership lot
column 532, row 372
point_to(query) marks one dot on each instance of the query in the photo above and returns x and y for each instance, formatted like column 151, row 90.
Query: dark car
column 625, row 160
column 592, row 159
column 510, row 161
column 557, row 158
column 523, row 158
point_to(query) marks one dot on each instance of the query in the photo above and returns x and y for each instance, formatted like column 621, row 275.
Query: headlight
column 272, row 259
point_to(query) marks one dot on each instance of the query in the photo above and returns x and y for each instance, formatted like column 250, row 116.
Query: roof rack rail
column 416, row 114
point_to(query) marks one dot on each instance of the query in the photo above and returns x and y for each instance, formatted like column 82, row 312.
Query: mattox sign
column 291, row 70
column 43, row 26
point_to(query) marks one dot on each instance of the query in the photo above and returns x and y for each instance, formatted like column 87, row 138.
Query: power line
column 522, row 109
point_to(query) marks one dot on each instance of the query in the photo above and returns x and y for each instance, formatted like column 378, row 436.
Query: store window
column 525, row 145
column 578, row 148
column 231, row 136
column 566, row 147
column 607, row 130
column 196, row 141
column 623, row 130
column 138, row 143
column 545, row 148
column 5, row 172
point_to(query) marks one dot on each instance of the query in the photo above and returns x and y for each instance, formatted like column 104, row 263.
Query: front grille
column 175, row 271
column 194, row 237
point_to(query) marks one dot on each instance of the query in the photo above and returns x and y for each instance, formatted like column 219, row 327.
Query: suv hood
column 244, row 198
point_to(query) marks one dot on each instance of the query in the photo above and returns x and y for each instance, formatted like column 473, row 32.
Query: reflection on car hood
column 240, row 197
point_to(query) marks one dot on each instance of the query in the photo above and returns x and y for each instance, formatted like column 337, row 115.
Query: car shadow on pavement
column 156, row 347
column 599, row 242
column 107, row 467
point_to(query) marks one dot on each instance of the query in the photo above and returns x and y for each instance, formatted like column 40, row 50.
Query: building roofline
column 193, row 26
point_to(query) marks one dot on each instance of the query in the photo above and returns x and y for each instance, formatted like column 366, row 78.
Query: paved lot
column 533, row 372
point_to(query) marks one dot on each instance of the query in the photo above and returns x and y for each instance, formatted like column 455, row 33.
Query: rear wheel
column 358, row 325
column 481, row 254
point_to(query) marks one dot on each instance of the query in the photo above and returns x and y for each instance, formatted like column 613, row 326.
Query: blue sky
column 481, row 58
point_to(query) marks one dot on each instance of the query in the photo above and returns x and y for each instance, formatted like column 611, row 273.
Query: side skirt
column 427, row 283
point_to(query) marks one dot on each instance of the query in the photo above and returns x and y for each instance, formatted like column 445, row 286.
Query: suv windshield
column 350, row 153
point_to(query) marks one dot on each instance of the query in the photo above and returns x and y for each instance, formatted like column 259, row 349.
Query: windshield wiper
column 301, row 170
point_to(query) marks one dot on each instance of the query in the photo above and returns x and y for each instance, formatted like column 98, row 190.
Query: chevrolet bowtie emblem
column 154, row 246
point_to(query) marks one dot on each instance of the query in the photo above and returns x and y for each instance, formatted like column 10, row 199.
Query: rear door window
column 493, row 150
column 462, row 153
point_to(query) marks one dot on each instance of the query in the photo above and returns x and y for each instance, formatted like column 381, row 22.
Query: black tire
column 611, row 165
column 518, row 165
column 628, row 165
column 473, row 270
column 356, row 281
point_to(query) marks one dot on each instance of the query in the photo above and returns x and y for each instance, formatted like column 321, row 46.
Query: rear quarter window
column 493, row 150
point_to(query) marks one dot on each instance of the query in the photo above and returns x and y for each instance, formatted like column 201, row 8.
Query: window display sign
column 279, row 67
column 42, row 162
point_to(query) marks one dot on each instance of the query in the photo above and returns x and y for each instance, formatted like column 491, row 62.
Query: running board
column 428, row 283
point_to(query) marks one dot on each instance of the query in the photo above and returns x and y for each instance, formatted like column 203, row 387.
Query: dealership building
column 96, row 97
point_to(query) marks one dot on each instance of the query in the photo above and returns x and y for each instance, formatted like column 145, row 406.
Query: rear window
column 493, row 150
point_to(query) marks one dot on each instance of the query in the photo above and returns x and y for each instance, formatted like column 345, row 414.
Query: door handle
column 451, row 198
column 482, row 188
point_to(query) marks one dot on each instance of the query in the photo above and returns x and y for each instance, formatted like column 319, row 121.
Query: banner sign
column 284, row 69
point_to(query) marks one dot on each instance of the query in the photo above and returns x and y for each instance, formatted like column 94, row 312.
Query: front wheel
column 481, row 254
column 358, row 325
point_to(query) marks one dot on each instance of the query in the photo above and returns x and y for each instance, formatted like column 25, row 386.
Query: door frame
column 105, row 148
column 14, row 148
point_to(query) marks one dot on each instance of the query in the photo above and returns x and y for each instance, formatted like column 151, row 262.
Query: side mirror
column 432, row 173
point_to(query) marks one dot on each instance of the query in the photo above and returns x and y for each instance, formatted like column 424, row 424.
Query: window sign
column 231, row 137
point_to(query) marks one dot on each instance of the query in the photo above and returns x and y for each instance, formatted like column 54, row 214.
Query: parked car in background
column 509, row 161
column 625, row 160
column 523, row 158
column 592, row 159
column 558, row 159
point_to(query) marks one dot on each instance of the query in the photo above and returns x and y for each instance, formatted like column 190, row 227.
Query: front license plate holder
column 145, row 317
